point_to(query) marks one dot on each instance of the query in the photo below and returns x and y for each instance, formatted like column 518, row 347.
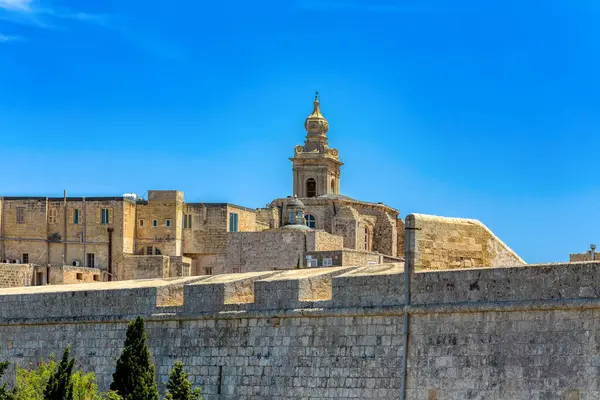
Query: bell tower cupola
column 316, row 167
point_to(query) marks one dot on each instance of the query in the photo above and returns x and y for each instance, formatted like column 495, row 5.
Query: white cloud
column 16, row 5
column 8, row 38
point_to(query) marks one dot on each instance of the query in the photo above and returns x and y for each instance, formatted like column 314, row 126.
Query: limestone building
column 46, row 240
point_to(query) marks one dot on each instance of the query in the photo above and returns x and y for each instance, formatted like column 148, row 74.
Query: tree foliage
column 179, row 387
column 5, row 393
column 60, row 384
column 134, row 376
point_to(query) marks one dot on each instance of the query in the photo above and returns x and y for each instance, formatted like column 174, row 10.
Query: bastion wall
column 528, row 332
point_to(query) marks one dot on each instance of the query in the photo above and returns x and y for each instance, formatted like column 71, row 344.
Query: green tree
column 60, row 384
column 179, row 387
column 30, row 384
column 134, row 376
column 5, row 394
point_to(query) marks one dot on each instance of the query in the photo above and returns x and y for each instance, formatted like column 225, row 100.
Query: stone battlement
column 363, row 288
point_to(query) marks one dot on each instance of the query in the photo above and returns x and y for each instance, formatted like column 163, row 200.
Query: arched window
column 332, row 190
column 157, row 251
column 310, row 221
column 367, row 239
column 311, row 188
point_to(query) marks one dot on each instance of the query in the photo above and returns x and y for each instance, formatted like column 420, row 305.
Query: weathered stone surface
column 500, row 333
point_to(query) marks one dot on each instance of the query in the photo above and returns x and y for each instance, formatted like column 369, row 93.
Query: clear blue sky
column 464, row 108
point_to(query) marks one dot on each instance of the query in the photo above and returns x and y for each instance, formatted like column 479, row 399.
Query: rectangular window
column 187, row 221
column 97, row 278
column 155, row 223
column 25, row 258
column 79, row 276
column 208, row 271
column 90, row 260
column 20, row 215
column 76, row 216
column 233, row 222
column 104, row 216
column 149, row 250
column 327, row 262
column 168, row 223
column 52, row 216
column 141, row 222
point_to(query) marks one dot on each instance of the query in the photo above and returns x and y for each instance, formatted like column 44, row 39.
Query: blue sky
column 485, row 110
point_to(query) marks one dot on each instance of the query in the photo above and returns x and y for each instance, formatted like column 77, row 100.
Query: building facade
column 122, row 238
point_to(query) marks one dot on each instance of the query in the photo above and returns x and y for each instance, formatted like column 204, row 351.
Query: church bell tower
column 316, row 167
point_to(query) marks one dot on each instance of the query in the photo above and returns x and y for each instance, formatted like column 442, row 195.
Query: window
column 39, row 278
column 96, row 277
column 367, row 239
column 25, row 258
column 332, row 186
column 149, row 250
column 207, row 271
column 155, row 223
column 141, row 222
column 312, row 262
column 233, row 222
column 20, row 215
column 310, row 221
column 76, row 216
column 327, row 262
column 90, row 260
column 168, row 223
column 187, row 221
column 52, row 215
column 104, row 216
column 311, row 188
column 79, row 276
column 157, row 251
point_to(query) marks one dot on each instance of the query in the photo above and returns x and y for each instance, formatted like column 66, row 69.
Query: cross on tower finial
column 316, row 95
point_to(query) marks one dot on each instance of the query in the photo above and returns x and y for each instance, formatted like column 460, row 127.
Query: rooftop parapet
column 297, row 288
column 86, row 300
column 222, row 292
column 335, row 289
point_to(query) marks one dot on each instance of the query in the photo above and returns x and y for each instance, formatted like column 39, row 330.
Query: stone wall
column 264, row 251
column 347, row 257
column 16, row 275
column 323, row 241
column 587, row 256
column 67, row 275
column 489, row 333
column 142, row 267
column 455, row 243
column 267, row 218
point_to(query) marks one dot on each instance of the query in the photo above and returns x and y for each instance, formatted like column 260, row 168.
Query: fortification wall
column 505, row 333
column 455, row 243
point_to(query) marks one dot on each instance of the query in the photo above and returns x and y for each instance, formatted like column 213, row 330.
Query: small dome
column 295, row 203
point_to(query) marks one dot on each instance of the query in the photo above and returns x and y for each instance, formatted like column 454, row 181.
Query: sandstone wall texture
column 16, row 275
column 455, row 243
column 347, row 257
column 143, row 267
column 67, row 275
column 329, row 333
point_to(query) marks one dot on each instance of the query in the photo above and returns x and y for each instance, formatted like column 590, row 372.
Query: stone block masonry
column 528, row 332
column 455, row 243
